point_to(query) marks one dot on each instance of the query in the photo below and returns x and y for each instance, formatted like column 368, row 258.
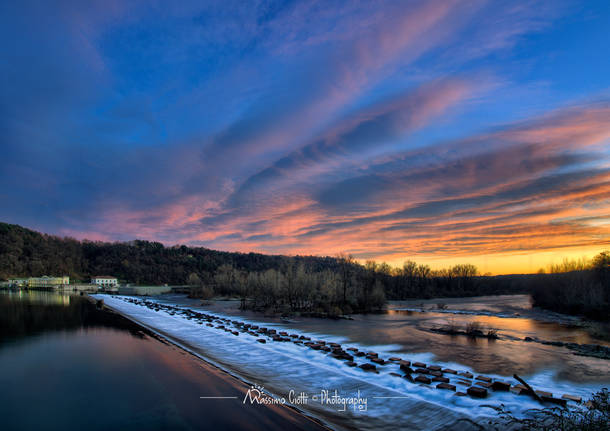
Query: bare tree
column 346, row 267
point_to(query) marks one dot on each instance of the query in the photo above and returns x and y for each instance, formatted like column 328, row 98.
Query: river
column 406, row 328
column 404, row 331
column 68, row 365
column 64, row 365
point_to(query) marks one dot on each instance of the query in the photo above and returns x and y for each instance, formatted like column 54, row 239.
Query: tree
column 370, row 278
column 193, row 280
column 464, row 271
column 346, row 266
column 409, row 271
column 601, row 267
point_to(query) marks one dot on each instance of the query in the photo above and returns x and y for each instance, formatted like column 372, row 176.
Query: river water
column 406, row 327
column 404, row 331
column 64, row 365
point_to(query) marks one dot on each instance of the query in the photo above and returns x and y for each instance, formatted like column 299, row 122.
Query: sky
column 443, row 132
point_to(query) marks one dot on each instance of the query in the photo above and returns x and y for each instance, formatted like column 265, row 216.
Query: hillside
column 24, row 252
column 310, row 283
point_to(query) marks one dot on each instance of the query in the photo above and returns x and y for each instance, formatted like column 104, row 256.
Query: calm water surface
column 66, row 365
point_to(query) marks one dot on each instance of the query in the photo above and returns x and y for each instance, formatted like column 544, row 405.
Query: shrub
column 594, row 415
column 492, row 333
column 474, row 328
column 451, row 327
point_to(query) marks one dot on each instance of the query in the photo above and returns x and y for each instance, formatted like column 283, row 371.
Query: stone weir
column 462, row 383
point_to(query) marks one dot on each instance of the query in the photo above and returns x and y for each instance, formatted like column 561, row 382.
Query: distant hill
column 24, row 252
column 305, row 283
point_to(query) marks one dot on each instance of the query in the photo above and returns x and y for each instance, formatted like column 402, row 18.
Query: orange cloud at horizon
column 513, row 201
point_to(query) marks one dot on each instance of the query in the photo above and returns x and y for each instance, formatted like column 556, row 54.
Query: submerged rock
column 441, row 379
column 477, row 392
column 446, row 386
column 500, row 386
column 423, row 379
column 521, row 390
column 407, row 369
column 368, row 367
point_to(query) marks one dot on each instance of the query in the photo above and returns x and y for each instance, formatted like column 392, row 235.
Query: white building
column 41, row 282
column 104, row 281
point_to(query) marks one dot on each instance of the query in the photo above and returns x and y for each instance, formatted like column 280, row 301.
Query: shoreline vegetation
column 590, row 415
column 476, row 329
column 578, row 287
column 305, row 285
column 472, row 329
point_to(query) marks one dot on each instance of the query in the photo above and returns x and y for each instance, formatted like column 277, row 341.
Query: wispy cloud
column 385, row 129
column 494, row 192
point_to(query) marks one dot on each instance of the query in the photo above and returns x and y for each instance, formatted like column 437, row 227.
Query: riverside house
column 40, row 282
column 104, row 281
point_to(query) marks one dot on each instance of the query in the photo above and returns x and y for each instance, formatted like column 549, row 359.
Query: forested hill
column 332, row 285
column 24, row 252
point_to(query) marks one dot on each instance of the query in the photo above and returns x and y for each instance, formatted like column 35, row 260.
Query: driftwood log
column 529, row 388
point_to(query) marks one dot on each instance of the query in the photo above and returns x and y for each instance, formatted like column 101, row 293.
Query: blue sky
column 441, row 131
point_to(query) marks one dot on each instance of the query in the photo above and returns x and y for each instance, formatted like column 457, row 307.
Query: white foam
column 282, row 366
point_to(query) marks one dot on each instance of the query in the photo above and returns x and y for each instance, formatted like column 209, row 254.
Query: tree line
column 577, row 286
column 346, row 288
column 326, row 285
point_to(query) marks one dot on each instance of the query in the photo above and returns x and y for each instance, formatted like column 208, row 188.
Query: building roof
column 104, row 276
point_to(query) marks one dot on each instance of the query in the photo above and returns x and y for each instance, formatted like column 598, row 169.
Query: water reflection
column 66, row 365
column 517, row 327
column 39, row 296
column 26, row 313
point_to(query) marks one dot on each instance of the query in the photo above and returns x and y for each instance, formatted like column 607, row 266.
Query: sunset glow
column 442, row 132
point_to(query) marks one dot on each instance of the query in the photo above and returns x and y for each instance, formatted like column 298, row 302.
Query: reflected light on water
column 40, row 297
